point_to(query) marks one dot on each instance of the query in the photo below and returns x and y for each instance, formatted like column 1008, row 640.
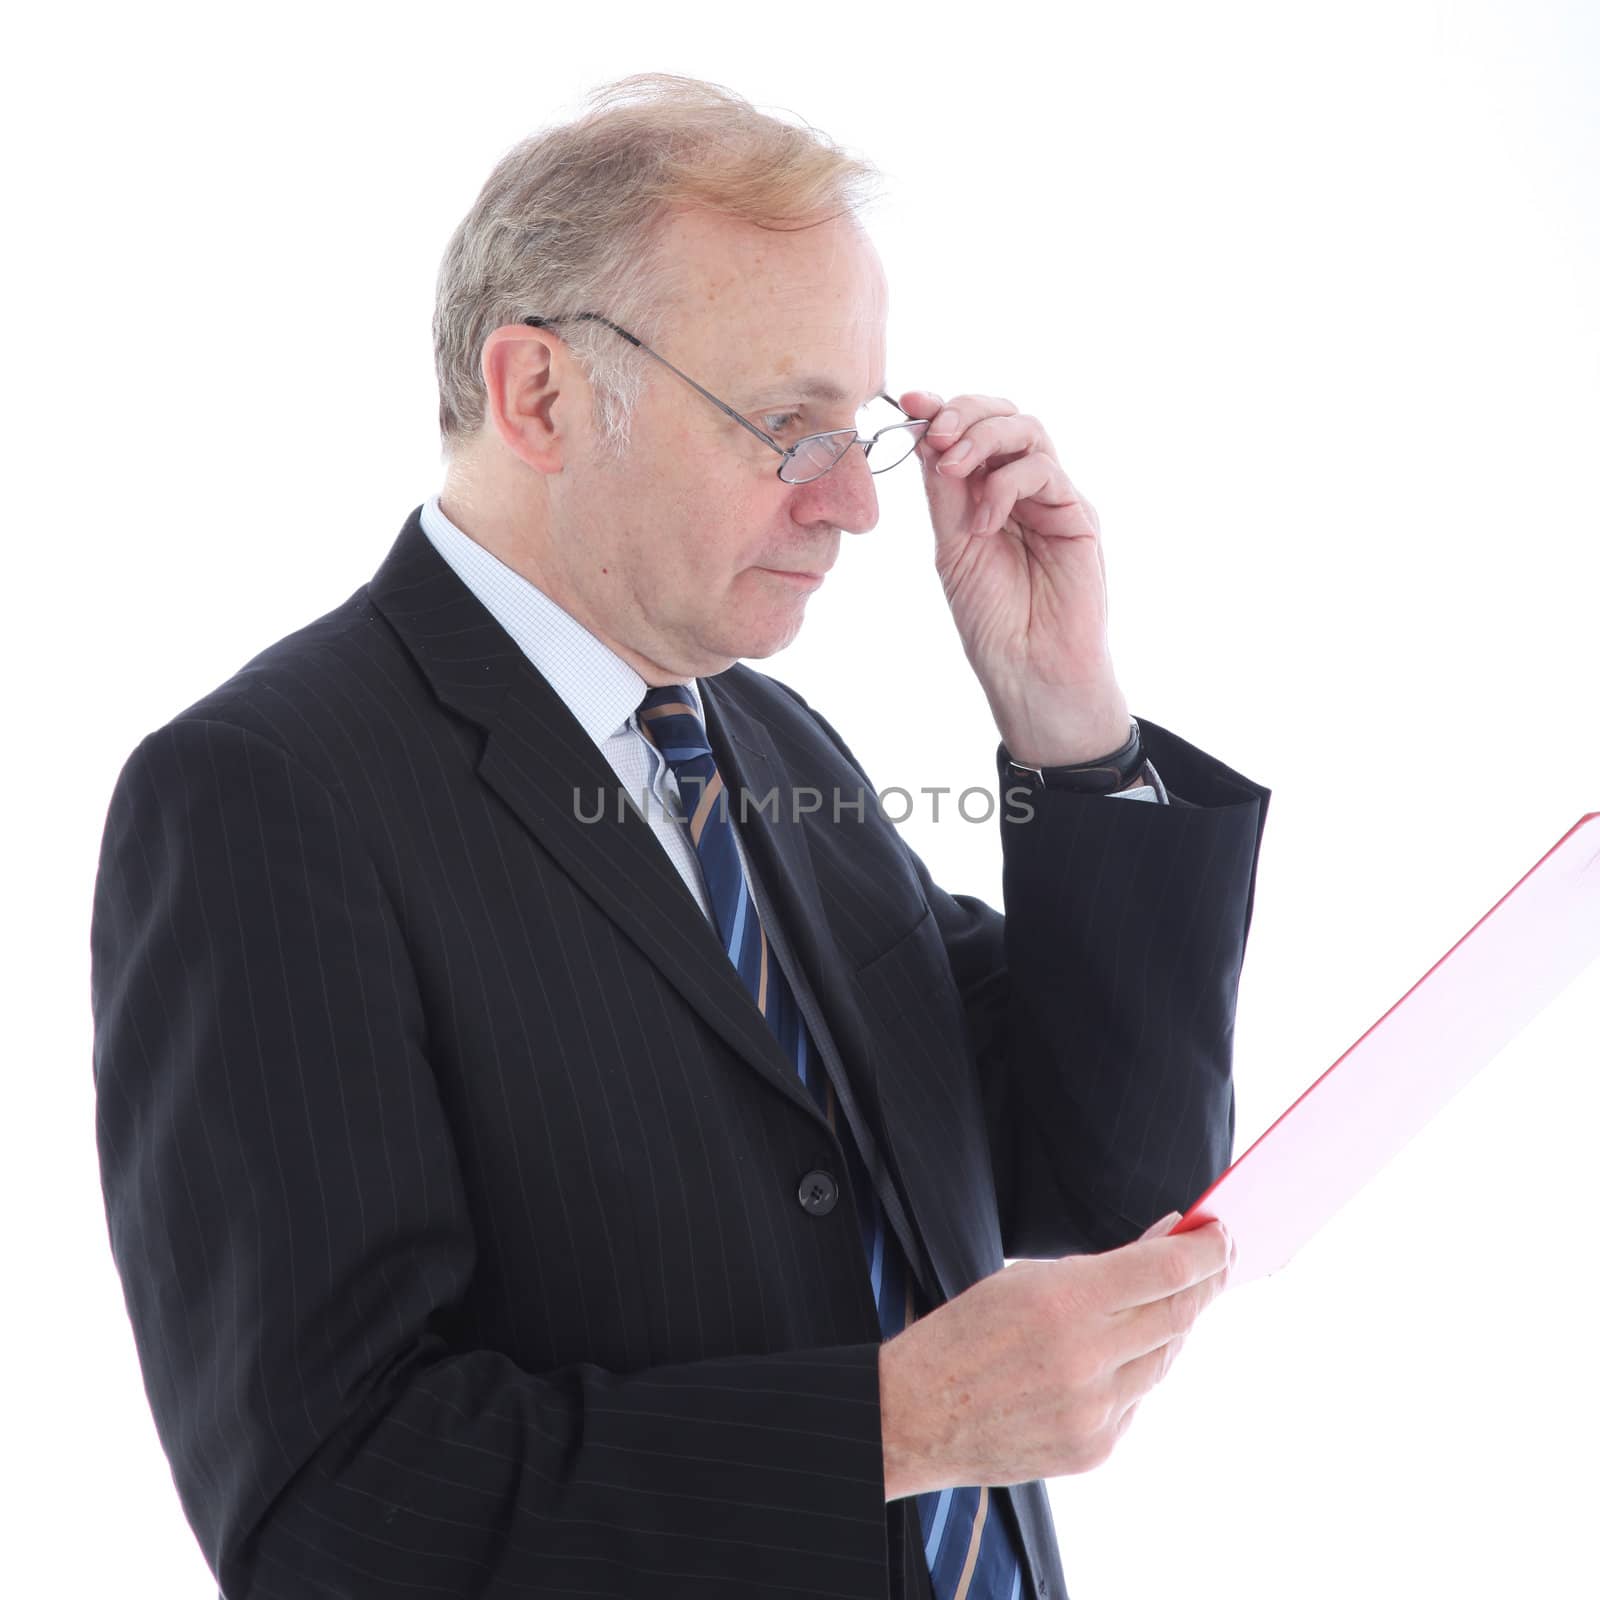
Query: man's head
column 728, row 242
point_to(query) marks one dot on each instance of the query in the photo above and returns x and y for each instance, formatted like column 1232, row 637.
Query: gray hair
column 568, row 221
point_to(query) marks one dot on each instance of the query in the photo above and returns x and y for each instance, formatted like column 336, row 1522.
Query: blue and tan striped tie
column 969, row 1551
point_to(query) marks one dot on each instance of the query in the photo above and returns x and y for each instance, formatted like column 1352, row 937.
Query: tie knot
column 668, row 719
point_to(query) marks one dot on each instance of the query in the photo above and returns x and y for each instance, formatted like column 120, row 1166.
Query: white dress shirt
column 600, row 689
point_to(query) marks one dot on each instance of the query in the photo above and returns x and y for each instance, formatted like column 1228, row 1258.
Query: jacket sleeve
column 287, row 1216
column 1100, row 1006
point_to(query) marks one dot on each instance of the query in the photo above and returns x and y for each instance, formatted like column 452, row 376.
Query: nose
column 846, row 495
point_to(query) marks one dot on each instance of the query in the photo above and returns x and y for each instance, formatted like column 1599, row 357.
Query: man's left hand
column 1018, row 551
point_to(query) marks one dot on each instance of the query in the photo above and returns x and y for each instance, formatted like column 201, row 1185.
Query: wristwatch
column 1122, row 769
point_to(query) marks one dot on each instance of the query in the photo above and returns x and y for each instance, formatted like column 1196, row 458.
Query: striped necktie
column 968, row 1550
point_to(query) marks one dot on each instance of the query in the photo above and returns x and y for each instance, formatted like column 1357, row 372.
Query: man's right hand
column 1037, row 1370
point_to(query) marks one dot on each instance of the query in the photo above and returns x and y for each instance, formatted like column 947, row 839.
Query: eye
column 780, row 420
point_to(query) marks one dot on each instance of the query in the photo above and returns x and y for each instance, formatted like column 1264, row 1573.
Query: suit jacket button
column 819, row 1194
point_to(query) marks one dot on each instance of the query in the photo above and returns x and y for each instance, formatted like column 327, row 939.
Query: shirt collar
column 600, row 689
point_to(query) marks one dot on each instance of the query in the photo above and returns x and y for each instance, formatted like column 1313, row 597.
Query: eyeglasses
column 806, row 459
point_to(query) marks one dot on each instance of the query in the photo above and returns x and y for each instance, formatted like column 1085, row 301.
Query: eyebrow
column 808, row 386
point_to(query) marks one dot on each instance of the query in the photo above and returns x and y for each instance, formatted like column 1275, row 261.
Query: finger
column 951, row 498
column 958, row 413
column 1034, row 477
column 1162, row 1225
column 993, row 442
column 920, row 403
column 923, row 405
column 964, row 409
column 954, row 495
column 1140, row 1329
column 1125, row 1421
column 1132, row 1382
column 1152, row 1269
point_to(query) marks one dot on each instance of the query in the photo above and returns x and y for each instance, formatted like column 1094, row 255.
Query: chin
column 751, row 626
column 756, row 643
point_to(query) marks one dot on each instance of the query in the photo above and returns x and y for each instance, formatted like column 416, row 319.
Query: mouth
column 795, row 577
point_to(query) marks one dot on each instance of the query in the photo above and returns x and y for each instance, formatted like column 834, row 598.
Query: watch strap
column 1121, row 769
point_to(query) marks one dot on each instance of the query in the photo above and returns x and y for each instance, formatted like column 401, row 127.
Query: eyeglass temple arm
column 594, row 316
column 591, row 316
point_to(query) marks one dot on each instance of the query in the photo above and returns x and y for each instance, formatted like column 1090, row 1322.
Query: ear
column 534, row 392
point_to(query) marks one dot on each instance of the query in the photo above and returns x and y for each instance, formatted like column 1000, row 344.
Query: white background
column 1305, row 297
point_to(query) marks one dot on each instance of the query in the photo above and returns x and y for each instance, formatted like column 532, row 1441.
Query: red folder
column 1381, row 1092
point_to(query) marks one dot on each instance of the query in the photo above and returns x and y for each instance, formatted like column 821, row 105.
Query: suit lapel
column 776, row 840
column 746, row 756
column 538, row 759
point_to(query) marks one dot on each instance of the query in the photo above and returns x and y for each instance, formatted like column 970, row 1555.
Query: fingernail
column 950, row 422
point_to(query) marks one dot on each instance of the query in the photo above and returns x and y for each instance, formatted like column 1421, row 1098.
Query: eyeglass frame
column 787, row 453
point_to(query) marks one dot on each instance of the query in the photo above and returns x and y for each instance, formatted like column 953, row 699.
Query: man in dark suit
column 557, row 1138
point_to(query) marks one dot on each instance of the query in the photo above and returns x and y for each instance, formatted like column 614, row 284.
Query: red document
column 1381, row 1092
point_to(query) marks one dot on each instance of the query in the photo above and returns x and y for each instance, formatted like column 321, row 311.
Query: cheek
column 733, row 523
column 705, row 512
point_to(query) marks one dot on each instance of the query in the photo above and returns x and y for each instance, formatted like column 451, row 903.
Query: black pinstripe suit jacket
column 453, row 1177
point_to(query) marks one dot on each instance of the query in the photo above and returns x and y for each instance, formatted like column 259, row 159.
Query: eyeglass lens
column 816, row 455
